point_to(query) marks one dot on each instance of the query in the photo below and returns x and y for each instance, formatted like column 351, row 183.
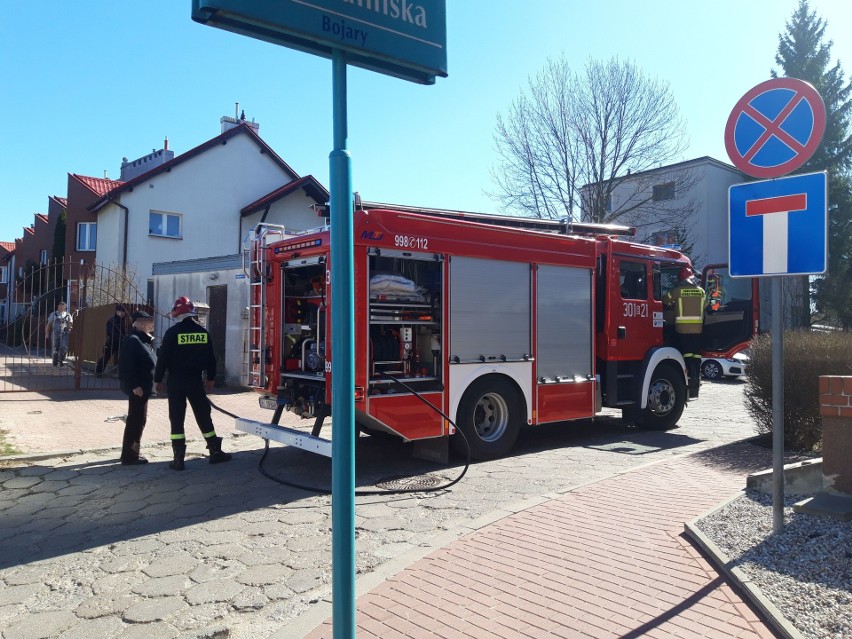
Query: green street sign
column 403, row 38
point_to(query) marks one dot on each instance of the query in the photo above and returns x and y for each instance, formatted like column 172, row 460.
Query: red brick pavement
column 605, row 560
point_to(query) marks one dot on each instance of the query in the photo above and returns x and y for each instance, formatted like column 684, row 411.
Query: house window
column 43, row 256
column 4, row 274
column 87, row 236
column 664, row 191
column 164, row 224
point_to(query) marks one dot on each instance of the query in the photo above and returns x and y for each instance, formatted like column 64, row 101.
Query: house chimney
column 155, row 158
column 239, row 118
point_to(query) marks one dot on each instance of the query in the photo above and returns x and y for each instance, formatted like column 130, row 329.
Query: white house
column 193, row 211
column 691, row 196
column 189, row 207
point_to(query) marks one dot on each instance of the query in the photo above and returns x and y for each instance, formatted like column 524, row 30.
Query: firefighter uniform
column 187, row 356
column 687, row 301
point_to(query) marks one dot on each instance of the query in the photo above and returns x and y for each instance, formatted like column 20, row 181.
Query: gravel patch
column 805, row 571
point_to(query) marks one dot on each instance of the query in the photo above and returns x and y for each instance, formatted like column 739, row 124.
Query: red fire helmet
column 182, row 306
column 684, row 274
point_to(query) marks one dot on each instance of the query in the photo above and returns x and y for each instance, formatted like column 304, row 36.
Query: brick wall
column 835, row 407
column 835, row 396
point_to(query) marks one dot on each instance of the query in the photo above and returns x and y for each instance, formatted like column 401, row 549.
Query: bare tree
column 108, row 284
column 569, row 143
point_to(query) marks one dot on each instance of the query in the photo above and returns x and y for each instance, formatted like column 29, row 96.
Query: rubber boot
column 179, row 451
column 214, row 445
column 694, row 371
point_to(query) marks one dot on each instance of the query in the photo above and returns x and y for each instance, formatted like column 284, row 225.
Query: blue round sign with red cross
column 775, row 127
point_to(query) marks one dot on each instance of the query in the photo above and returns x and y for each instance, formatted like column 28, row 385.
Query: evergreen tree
column 59, row 237
column 804, row 53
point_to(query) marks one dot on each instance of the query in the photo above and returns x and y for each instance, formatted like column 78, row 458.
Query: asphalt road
column 89, row 548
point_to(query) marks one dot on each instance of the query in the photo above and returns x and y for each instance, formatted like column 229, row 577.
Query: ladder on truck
column 254, row 266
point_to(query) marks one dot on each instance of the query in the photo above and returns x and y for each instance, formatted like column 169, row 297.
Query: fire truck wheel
column 666, row 400
column 490, row 415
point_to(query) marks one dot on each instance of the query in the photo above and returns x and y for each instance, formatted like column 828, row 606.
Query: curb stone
column 73, row 452
column 738, row 577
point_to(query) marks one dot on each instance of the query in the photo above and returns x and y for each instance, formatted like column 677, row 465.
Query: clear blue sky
column 86, row 83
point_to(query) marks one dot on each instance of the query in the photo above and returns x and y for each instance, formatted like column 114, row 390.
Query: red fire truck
column 497, row 322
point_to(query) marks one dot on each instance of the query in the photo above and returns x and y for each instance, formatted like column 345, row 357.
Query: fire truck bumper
column 284, row 435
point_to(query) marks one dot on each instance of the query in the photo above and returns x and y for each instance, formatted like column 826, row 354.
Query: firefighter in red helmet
column 687, row 300
column 187, row 356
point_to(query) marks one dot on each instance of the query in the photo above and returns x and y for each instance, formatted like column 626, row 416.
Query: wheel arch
column 519, row 374
column 665, row 356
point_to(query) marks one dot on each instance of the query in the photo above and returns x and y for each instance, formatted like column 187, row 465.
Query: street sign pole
column 342, row 366
column 777, row 305
column 409, row 44
column 773, row 130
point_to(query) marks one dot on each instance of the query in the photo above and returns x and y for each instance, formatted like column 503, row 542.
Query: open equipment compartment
column 303, row 335
column 405, row 336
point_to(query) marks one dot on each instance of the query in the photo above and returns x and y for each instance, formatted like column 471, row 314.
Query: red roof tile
column 9, row 246
column 42, row 217
column 98, row 186
column 62, row 201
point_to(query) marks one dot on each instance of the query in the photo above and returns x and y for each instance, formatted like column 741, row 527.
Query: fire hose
column 364, row 493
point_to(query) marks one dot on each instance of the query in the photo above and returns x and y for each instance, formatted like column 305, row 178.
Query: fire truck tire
column 490, row 415
column 666, row 400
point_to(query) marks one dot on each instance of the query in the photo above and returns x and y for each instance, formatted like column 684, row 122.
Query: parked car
column 717, row 368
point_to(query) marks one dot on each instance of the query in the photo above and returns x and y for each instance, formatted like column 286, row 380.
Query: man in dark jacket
column 187, row 354
column 136, row 364
column 116, row 329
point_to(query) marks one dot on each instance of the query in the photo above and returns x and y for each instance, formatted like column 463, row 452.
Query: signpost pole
column 777, row 292
column 342, row 366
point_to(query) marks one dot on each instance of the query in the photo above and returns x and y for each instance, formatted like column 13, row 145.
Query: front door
column 632, row 311
column 217, row 299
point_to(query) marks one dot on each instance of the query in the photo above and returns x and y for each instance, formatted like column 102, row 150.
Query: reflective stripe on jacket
column 688, row 301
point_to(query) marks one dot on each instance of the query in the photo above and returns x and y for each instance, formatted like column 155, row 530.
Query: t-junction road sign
column 779, row 227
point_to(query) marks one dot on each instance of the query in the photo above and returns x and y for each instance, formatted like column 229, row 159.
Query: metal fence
column 90, row 292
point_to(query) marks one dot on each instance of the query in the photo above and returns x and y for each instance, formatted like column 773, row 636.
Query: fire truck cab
column 495, row 322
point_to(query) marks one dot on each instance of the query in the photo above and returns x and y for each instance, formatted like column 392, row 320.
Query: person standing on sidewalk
column 186, row 355
column 136, row 364
column 59, row 324
column 116, row 330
